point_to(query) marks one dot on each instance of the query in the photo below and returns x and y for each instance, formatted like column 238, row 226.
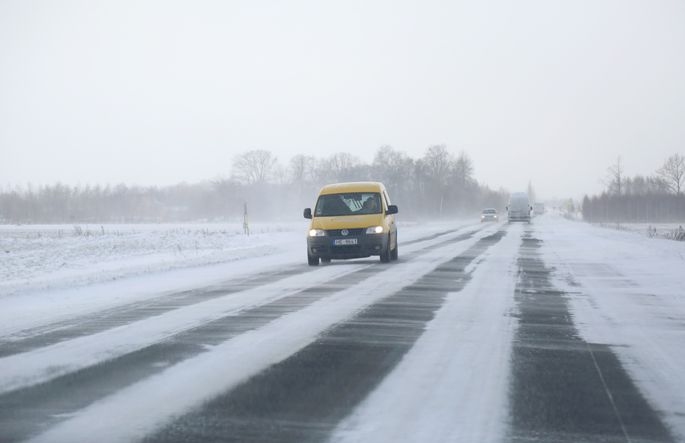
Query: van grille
column 336, row 232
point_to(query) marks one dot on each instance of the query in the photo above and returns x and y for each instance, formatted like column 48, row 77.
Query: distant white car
column 488, row 214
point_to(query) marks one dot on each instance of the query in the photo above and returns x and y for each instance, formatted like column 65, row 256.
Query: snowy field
column 51, row 256
column 669, row 231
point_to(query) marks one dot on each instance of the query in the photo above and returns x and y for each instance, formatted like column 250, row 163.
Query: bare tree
column 435, row 169
column 302, row 172
column 463, row 169
column 280, row 175
column 253, row 167
column 438, row 162
column 341, row 166
column 673, row 172
column 302, row 168
column 392, row 167
column 614, row 180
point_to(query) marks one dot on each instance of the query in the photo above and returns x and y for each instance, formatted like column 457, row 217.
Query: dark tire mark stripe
column 560, row 382
column 303, row 398
column 93, row 323
column 121, row 315
column 30, row 411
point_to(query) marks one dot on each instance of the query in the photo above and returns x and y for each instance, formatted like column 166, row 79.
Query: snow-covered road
column 553, row 331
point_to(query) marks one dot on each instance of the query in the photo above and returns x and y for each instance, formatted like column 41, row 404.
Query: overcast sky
column 158, row 92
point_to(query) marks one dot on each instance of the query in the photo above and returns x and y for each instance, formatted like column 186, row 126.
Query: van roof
column 340, row 188
column 518, row 196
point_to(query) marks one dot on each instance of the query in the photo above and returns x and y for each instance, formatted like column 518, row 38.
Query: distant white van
column 519, row 207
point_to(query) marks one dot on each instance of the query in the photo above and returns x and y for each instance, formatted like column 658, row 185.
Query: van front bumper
column 366, row 246
column 519, row 217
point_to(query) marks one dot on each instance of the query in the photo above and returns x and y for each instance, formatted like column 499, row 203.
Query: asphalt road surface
column 467, row 337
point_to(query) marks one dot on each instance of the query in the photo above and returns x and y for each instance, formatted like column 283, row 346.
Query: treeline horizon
column 440, row 183
column 658, row 198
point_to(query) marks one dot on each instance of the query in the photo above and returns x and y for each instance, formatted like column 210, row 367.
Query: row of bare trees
column 669, row 178
column 438, row 183
column 60, row 203
column 656, row 198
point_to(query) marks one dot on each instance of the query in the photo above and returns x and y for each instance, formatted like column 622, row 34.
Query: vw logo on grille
column 344, row 232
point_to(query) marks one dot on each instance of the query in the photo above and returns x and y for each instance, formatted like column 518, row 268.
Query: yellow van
column 352, row 220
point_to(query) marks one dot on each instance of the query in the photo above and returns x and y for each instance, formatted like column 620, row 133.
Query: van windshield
column 353, row 203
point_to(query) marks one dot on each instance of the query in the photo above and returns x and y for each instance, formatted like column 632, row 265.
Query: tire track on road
column 304, row 397
column 92, row 323
column 110, row 318
column 563, row 388
column 32, row 410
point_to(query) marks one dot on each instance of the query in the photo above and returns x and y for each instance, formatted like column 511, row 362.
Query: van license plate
column 345, row 241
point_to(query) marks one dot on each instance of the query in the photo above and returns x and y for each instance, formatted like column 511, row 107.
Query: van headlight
column 317, row 233
column 374, row 230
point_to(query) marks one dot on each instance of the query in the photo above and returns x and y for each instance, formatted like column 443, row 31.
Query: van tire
column 312, row 260
column 385, row 253
column 395, row 253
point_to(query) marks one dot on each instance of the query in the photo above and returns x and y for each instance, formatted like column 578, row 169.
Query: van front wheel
column 313, row 261
column 385, row 253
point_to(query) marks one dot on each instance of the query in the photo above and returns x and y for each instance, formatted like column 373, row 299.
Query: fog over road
column 549, row 331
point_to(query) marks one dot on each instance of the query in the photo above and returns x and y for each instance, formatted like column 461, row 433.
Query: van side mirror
column 392, row 209
column 308, row 213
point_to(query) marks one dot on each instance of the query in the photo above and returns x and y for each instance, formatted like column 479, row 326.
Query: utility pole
column 246, row 225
